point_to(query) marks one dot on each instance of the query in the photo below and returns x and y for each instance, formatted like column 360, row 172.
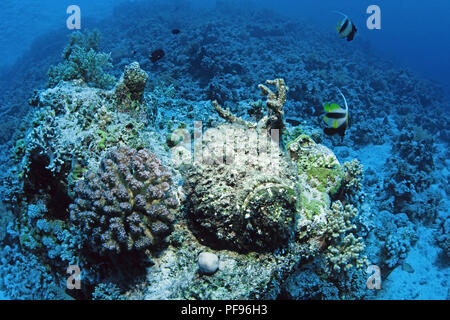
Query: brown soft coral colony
column 127, row 205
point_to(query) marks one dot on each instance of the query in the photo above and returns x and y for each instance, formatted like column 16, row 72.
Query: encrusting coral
column 127, row 205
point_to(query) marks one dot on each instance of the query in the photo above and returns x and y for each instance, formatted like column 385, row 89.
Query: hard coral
column 82, row 61
column 248, row 202
column 344, row 250
column 127, row 205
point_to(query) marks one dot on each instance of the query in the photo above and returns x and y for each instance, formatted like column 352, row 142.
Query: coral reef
column 284, row 221
column 241, row 192
column 443, row 235
column 407, row 184
column 24, row 277
column 107, row 291
column 344, row 249
column 82, row 61
column 127, row 205
column 129, row 91
column 305, row 284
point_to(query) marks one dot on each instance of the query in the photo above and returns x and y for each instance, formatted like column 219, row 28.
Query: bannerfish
column 345, row 27
column 156, row 55
column 336, row 118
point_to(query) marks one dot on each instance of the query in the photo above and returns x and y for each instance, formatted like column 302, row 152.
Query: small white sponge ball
column 208, row 262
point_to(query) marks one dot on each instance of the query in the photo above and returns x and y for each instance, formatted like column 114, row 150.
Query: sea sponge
column 127, row 205
column 241, row 193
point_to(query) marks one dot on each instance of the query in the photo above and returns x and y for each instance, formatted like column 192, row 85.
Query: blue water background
column 413, row 33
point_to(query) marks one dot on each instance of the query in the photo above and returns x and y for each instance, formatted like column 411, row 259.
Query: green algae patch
column 325, row 179
column 312, row 207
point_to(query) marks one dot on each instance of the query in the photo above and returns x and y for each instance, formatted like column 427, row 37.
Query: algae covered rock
column 129, row 91
column 241, row 191
column 317, row 162
column 320, row 176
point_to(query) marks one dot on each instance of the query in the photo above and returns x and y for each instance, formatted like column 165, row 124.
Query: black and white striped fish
column 336, row 118
column 346, row 28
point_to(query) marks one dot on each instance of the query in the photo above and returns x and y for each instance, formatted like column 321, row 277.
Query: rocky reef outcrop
column 261, row 203
column 242, row 194
column 129, row 91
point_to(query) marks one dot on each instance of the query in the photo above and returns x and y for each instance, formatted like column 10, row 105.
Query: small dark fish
column 176, row 31
column 157, row 55
column 346, row 28
column 336, row 118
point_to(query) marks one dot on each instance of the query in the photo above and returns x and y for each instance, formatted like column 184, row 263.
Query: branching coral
column 231, row 118
column 344, row 249
column 82, row 61
column 275, row 103
column 352, row 181
column 127, row 205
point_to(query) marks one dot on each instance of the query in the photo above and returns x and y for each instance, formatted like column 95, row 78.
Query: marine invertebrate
column 106, row 291
column 275, row 103
column 407, row 184
column 242, row 194
column 442, row 234
column 127, row 205
column 82, row 61
column 352, row 179
column 129, row 91
column 321, row 167
column 344, row 248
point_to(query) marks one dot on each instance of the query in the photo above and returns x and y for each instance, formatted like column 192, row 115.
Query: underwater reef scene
column 169, row 151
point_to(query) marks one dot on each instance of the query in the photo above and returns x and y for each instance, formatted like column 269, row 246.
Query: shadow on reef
column 40, row 181
column 111, row 273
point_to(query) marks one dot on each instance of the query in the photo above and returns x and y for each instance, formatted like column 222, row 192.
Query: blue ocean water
column 81, row 107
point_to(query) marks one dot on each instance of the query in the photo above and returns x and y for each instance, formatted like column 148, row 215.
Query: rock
column 208, row 263
column 407, row 267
